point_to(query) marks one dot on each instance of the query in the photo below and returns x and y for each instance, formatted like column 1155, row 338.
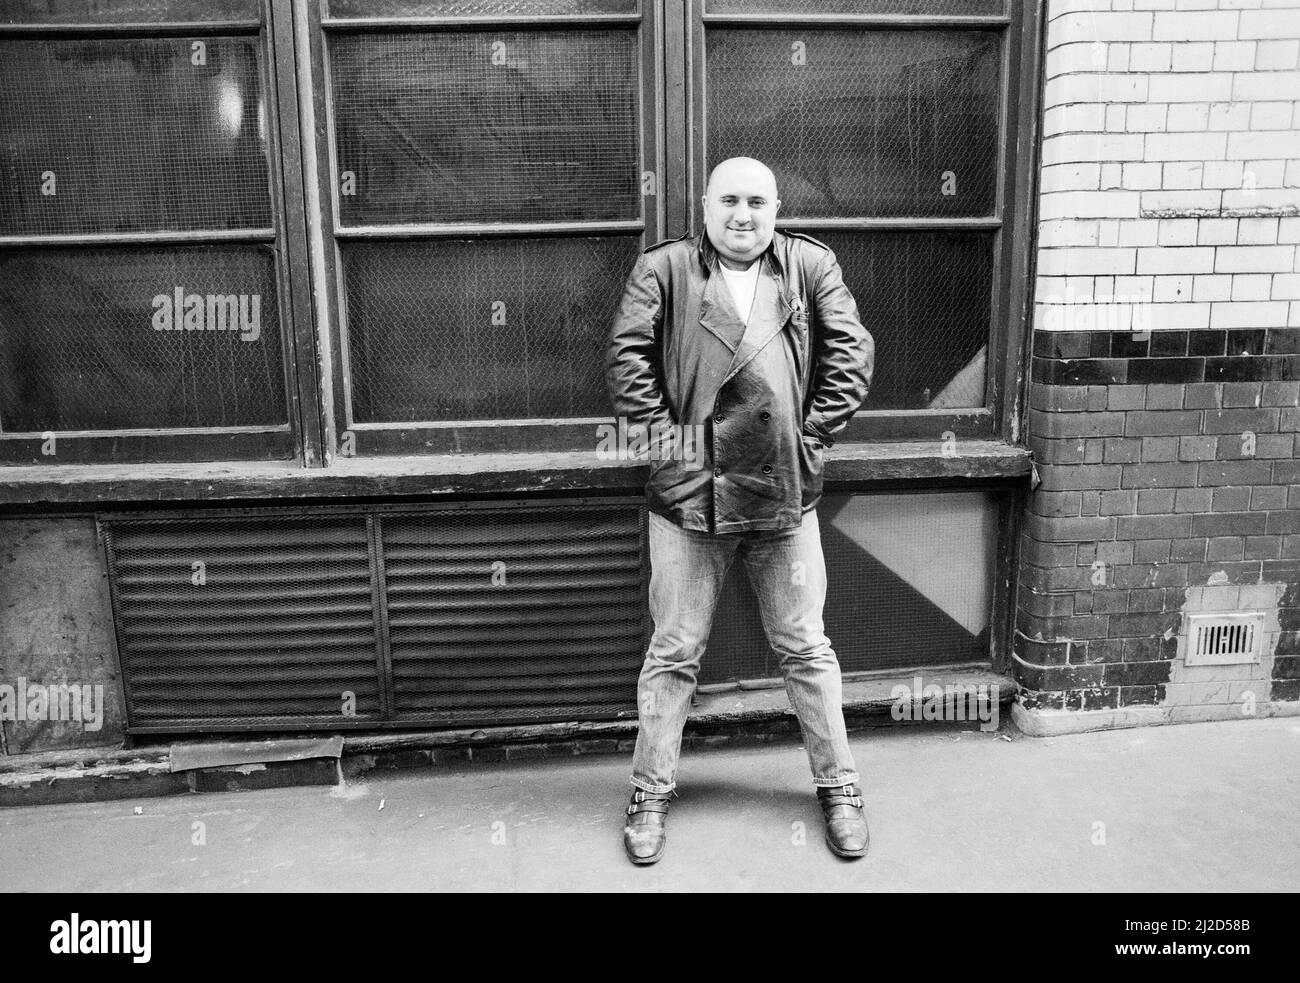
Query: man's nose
column 741, row 215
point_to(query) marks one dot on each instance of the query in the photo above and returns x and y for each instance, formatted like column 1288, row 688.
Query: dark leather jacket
column 768, row 405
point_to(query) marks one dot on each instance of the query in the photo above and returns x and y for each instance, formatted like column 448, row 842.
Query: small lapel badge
column 796, row 303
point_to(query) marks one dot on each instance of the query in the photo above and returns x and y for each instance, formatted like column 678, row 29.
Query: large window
column 286, row 229
column 143, row 312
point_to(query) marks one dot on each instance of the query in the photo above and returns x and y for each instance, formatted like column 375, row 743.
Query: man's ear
column 776, row 207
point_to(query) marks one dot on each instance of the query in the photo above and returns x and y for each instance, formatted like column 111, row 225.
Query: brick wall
column 1166, row 366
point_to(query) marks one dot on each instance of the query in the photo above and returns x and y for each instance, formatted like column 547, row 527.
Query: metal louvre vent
column 385, row 617
column 1224, row 639
column 523, row 615
column 225, row 619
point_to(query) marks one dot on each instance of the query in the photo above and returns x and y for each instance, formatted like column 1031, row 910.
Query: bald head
column 740, row 207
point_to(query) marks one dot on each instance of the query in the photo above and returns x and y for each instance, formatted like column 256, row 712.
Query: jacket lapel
column 718, row 313
column 771, row 311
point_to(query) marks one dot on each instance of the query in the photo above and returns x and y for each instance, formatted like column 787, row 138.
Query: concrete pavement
column 1193, row 807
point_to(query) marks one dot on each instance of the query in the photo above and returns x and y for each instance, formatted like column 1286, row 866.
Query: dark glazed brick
column 1245, row 368
column 1282, row 523
column 1140, row 695
column 1282, row 341
column 1166, row 370
column 1168, row 344
column 1136, row 673
column 1263, row 547
column 1270, row 497
column 1246, row 341
column 1280, row 394
column 1108, row 601
column 1245, row 572
column 1126, row 345
column 1081, row 372
column 1118, row 502
column 1149, row 649
column 1207, row 342
column 1153, row 527
column 1155, row 500
column 1123, row 450
column 1151, row 551
column 1288, row 690
column 1089, row 503
column 1062, row 344
column 1149, row 599
column 1078, row 477
column 1126, row 397
column 1058, row 425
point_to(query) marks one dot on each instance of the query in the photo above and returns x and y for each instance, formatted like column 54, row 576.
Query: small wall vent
column 1224, row 639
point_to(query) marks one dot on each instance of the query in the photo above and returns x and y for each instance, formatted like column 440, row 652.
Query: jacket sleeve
column 844, row 353
column 633, row 372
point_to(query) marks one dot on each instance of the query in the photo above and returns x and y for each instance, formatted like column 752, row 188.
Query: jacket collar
column 708, row 255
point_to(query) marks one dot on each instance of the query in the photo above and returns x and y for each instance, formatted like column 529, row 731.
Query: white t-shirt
column 743, row 284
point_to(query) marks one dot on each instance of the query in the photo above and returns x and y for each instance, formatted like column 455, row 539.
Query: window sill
column 849, row 466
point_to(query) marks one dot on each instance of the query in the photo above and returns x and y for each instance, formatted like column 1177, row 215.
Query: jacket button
column 767, row 469
column 718, row 418
column 765, row 415
column 717, row 472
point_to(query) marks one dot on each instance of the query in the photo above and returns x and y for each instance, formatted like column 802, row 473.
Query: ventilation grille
column 1224, row 639
column 515, row 615
column 221, row 620
column 456, row 616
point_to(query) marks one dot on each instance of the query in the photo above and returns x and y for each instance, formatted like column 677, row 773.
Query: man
column 751, row 336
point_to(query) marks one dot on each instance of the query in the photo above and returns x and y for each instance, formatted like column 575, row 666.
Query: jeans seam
column 645, row 786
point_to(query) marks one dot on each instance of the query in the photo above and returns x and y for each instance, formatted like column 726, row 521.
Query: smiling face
column 740, row 207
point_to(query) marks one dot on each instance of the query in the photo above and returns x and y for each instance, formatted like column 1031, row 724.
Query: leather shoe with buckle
column 846, row 825
column 645, row 833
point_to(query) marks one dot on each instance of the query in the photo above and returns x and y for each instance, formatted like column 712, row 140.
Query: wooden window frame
column 342, row 435
column 290, row 442
column 1018, row 27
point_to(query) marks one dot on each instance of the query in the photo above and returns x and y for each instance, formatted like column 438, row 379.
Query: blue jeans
column 788, row 572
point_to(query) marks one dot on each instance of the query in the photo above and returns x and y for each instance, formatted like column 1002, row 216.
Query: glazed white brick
column 1183, row 175
column 1253, row 201
column 1067, row 232
column 1252, row 145
column 1230, row 116
column 1253, row 259
column 1079, row 116
column 1186, row 146
column 1293, row 319
column 1195, row 56
column 1264, row 173
column 1277, row 55
column 1211, row 286
column 1188, row 87
column 1286, row 286
column 1177, row 232
column 1084, row 87
column 1188, row 116
column 1177, row 317
column 1110, row 26
column 1288, row 230
column 1175, row 260
column 1198, row 26
column 1069, row 177
column 1076, row 147
column 1216, row 231
column 1182, row 201
column 1172, row 289
column 1257, row 232
column 1117, row 57
column 1097, row 261
column 1135, row 287
column 1264, row 86
column 1222, row 174
column 1142, row 176
column 1080, row 56
column 1108, row 232
column 1271, row 115
column 1139, row 232
column 1251, row 286
column 1090, row 204
column 1234, row 56
column 1156, row 57
column 1146, row 118
column 1276, row 23
column 1268, row 314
